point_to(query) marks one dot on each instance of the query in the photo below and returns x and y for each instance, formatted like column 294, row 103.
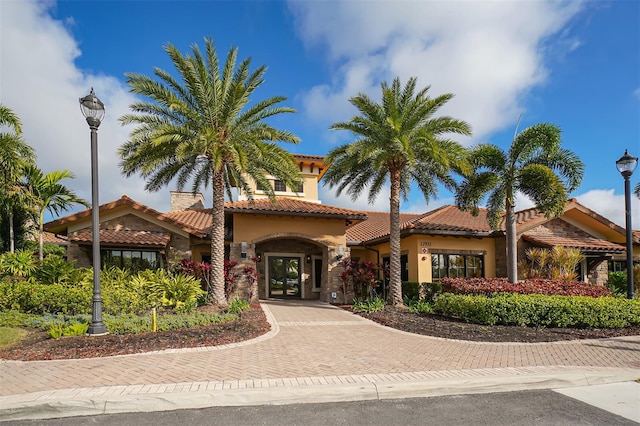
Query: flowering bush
column 362, row 276
column 488, row 287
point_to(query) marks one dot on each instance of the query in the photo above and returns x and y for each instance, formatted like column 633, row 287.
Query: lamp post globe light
column 93, row 110
column 626, row 165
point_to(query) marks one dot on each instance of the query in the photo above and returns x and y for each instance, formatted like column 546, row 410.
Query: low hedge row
column 537, row 310
column 489, row 286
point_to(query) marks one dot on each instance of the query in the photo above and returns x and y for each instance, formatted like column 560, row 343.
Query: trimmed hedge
column 536, row 310
column 489, row 286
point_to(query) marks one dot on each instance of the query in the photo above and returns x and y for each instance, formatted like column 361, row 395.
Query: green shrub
column 430, row 290
column 131, row 324
column 55, row 331
column 541, row 311
column 20, row 263
column 238, row 305
column 410, row 291
column 368, row 305
column 55, row 270
column 420, row 307
column 617, row 283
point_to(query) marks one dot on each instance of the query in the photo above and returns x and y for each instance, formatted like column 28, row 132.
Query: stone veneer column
column 244, row 289
column 334, row 268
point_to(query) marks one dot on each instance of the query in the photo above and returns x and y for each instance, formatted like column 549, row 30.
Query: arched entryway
column 291, row 267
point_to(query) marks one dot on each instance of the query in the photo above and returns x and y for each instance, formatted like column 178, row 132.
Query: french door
column 284, row 276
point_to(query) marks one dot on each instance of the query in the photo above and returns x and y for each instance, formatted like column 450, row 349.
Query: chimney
column 186, row 201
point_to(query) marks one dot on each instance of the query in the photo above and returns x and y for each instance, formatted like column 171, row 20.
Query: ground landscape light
column 93, row 110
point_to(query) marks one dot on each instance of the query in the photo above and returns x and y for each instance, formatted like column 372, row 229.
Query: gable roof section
column 124, row 237
column 292, row 207
column 60, row 225
column 445, row 220
column 530, row 218
column 589, row 244
column 376, row 226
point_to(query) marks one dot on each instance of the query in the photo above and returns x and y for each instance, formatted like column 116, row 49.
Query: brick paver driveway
column 317, row 342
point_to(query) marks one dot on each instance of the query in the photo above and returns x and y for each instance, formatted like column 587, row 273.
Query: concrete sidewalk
column 314, row 352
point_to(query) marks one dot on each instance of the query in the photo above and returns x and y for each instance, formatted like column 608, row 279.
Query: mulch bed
column 438, row 326
column 254, row 323
column 39, row 346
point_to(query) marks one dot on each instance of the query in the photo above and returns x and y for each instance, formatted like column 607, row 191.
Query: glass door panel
column 284, row 276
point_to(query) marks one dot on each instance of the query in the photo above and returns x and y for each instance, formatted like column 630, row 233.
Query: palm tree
column 398, row 141
column 45, row 192
column 15, row 155
column 10, row 119
column 535, row 166
column 636, row 190
column 203, row 129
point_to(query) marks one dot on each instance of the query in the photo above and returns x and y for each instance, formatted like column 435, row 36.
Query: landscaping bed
column 253, row 323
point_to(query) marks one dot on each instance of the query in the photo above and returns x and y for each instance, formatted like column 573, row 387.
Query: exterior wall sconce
column 308, row 258
column 339, row 253
column 258, row 257
column 243, row 249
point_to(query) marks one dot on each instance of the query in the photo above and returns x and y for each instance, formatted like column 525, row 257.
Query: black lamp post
column 93, row 110
column 626, row 165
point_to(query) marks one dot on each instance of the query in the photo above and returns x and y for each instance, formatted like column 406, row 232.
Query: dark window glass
column 134, row 260
column 300, row 188
column 279, row 186
column 456, row 266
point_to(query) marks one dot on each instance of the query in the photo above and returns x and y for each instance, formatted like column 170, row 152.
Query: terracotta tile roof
column 452, row 219
column 60, row 225
column 376, row 226
column 199, row 219
column 291, row 207
column 125, row 237
column 584, row 243
column 443, row 220
column 49, row 238
column 309, row 158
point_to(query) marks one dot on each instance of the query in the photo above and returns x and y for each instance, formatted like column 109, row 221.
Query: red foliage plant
column 487, row 287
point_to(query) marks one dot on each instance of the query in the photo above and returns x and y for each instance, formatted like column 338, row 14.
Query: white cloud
column 608, row 204
column 488, row 53
column 42, row 85
column 329, row 197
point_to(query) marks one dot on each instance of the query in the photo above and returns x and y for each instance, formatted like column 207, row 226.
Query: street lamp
column 93, row 110
column 626, row 165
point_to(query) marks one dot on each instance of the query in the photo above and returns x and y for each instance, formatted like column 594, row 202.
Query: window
column 134, row 260
column 404, row 266
column 456, row 266
column 300, row 188
column 617, row 266
column 279, row 186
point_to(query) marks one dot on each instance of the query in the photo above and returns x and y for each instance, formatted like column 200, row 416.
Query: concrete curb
column 58, row 404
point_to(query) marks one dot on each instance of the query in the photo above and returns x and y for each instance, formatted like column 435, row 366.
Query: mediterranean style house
column 297, row 244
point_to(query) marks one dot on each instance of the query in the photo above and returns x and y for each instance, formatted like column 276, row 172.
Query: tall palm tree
column 15, row 155
column 10, row 119
column 204, row 129
column 397, row 141
column 636, row 190
column 535, row 165
column 46, row 193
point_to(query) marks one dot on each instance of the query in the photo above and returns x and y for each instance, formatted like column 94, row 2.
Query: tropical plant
column 397, row 141
column 46, row 193
column 18, row 264
column 557, row 263
column 15, row 155
column 535, row 165
column 636, row 190
column 203, row 129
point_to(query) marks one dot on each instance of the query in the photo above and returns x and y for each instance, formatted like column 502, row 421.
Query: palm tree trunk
column 395, row 284
column 217, row 240
column 512, row 244
column 12, row 244
column 40, row 240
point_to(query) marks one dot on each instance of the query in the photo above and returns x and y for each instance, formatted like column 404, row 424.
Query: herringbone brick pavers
column 311, row 343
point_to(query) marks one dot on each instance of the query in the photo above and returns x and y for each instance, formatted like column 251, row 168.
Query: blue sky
column 574, row 64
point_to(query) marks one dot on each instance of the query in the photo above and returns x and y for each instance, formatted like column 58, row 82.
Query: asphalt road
column 539, row 407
